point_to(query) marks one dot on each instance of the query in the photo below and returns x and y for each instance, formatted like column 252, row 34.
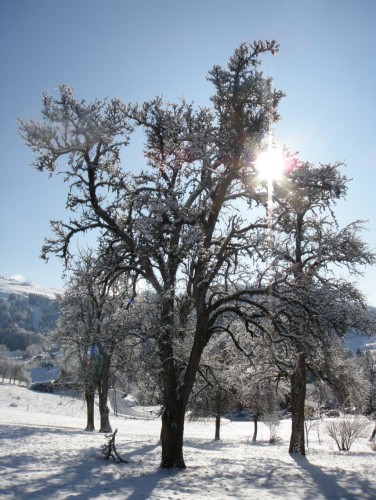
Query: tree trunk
column 174, row 400
column 298, row 393
column 373, row 435
column 115, row 402
column 177, row 382
column 89, row 397
column 172, row 438
column 255, row 421
column 105, row 425
column 217, row 427
column 103, row 385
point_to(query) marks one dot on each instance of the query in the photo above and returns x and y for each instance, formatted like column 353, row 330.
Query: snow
column 45, row 374
column 24, row 288
column 44, row 454
column 362, row 342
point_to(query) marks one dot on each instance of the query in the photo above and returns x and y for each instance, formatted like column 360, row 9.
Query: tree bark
column 172, row 438
column 177, row 381
column 103, row 386
column 89, row 397
column 373, row 435
column 174, row 401
column 255, row 421
column 217, row 427
column 298, row 393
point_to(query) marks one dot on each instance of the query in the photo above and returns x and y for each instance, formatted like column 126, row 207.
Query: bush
column 346, row 429
column 272, row 421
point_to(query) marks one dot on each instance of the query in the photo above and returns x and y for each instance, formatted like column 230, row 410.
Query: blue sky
column 135, row 50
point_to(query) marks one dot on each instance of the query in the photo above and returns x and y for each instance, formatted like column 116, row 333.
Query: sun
column 270, row 164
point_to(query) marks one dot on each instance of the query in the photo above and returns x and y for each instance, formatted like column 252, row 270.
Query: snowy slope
column 24, row 288
column 44, row 454
column 361, row 342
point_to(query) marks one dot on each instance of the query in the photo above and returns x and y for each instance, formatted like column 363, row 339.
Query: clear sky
column 136, row 49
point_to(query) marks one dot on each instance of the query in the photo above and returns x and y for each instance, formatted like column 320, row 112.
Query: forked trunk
column 177, row 382
column 172, row 439
column 89, row 397
column 298, row 393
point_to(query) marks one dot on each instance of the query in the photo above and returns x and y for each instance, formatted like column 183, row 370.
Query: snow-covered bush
column 346, row 429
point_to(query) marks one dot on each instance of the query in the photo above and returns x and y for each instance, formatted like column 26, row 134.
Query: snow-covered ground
column 24, row 288
column 45, row 454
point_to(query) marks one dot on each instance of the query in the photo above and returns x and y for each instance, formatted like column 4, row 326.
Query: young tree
column 176, row 224
column 214, row 392
column 259, row 387
column 93, row 317
column 346, row 376
column 367, row 362
column 5, row 362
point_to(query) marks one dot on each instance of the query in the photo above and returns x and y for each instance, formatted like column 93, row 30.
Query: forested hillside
column 25, row 318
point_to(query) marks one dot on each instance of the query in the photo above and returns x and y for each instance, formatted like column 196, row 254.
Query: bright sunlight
column 270, row 164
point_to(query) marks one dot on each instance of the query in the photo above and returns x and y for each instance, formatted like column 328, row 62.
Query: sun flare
column 270, row 164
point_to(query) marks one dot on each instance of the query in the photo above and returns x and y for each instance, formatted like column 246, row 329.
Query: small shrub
column 346, row 429
column 272, row 421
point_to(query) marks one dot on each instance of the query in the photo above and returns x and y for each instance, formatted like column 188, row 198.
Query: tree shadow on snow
column 143, row 450
column 83, row 477
column 207, row 445
column 352, row 487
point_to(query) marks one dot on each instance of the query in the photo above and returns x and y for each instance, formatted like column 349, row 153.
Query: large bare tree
column 177, row 224
column 188, row 224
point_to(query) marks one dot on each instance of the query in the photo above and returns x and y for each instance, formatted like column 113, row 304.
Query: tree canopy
column 192, row 224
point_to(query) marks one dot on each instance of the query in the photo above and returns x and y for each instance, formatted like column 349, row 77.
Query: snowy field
column 45, row 454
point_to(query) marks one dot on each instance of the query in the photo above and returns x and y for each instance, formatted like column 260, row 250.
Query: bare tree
column 214, row 393
column 93, row 322
column 180, row 224
column 308, row 245
column 176, row 224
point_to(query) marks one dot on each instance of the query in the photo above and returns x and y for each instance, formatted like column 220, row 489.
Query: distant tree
column 214, row 392
column 139, row 353
column 367, row 362
column 32, row 350
column 342, row 370
column 259, row 387
column 74, row 333
column 4, row 351
column 17, row 372
column 5, row 367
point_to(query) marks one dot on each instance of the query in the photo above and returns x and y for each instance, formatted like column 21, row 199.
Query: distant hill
column 25, row 288
column 356, row 342
column 28, row 313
